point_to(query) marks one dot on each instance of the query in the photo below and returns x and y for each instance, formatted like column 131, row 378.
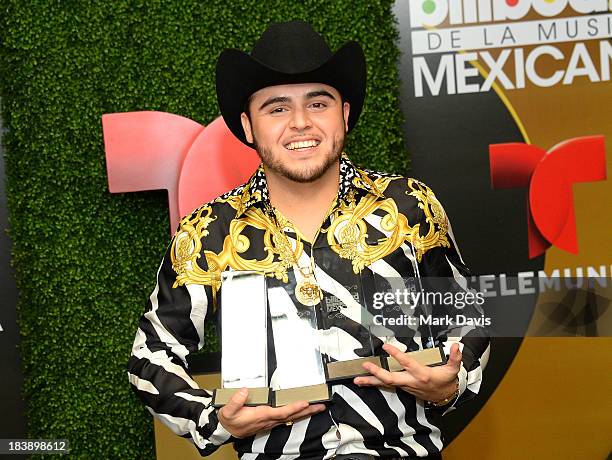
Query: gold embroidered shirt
column 385, row 225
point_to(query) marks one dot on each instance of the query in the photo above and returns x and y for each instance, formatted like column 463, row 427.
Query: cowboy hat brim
column 239, row 75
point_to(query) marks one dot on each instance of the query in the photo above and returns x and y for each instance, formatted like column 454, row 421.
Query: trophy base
column 257, row 396
column 340, row 370
column 313, row 394
column 337, row 370
column 428, row 357
column 275, row 398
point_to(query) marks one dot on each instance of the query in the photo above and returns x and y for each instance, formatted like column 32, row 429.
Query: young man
column 308, row 213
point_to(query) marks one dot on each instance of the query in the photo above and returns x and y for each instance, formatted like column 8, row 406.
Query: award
column 287, row 368
column 348, row 338
column 358, row 323
column 244, row 321
column 395, row 310
column 286, row 341
column 299, row 362
column 347, row 341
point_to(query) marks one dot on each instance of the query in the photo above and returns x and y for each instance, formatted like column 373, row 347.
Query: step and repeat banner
column 508, row 117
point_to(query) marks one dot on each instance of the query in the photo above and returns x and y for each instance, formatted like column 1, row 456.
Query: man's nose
column 300, row 119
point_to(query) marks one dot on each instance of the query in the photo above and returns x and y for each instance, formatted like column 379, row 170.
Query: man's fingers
column 393, row 351
column 286, row 412
column 236, row 402
column 370, row 381
column 294, row 417
column 367, row 381
column 455, row 356
column 415, row 368
column 401, row 357
column 310, row 410
column 243, row 421
column 386, row 377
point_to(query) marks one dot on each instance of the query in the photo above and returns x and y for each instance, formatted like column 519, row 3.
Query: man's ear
column 246, row 126
column 346, row 109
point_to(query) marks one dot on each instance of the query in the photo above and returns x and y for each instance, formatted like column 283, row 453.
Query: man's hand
column 243, row 421
column 424, row 382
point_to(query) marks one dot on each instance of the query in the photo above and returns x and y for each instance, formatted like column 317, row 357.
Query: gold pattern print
column 434, row 215
column 187, row 245
column 377, row 187
column 347, row 235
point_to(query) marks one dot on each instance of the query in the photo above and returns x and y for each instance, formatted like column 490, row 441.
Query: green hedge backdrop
column 86, row 259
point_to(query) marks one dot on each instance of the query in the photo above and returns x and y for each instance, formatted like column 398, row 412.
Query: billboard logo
column 429, row 13
column 549, row 177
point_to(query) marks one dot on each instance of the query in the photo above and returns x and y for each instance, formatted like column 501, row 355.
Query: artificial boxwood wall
column 86, row 259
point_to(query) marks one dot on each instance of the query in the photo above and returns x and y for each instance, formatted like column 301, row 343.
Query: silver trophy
column 269, row 342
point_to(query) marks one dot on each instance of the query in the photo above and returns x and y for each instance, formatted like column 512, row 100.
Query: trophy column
column 244, row 332
column 250, row 302
column 300, row 368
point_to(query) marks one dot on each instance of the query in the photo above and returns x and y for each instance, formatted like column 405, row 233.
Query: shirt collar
column 255, row 191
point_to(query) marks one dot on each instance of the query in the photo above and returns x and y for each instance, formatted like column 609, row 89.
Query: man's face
column 298, row 130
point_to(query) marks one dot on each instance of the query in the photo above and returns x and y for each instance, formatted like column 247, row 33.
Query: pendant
column 308, row 293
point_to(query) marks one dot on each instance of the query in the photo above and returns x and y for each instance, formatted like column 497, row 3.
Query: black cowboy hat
column 288, row 52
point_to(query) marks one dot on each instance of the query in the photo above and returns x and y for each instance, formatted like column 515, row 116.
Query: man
column 307, row 213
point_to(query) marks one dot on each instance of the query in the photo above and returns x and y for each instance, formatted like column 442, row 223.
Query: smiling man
column 306, row 119
column 308, row 215
column 298, row 131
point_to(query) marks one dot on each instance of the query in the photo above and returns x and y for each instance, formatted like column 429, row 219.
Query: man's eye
column 318, row 105
column 278, row 110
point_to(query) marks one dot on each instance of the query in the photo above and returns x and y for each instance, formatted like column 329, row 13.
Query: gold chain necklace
column 307, row 291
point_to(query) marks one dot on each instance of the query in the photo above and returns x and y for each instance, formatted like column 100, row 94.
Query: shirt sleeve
column 171, row 327
column 444, row 266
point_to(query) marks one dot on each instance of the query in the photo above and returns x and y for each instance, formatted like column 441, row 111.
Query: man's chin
column 305, row 175
column 310, row 172
column 304, row 178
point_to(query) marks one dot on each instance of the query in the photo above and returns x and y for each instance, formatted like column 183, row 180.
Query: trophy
column 348, row 342
column 287, row 341
column 287, row 368
column 244, row 357
column 397, row 309
column 351, row 320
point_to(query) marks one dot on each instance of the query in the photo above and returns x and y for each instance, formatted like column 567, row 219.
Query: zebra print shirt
column 388, row 227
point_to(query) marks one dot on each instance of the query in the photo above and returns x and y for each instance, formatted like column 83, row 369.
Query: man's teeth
column 302, row 145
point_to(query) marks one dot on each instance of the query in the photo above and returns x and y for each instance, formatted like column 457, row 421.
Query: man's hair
column 247, row 106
